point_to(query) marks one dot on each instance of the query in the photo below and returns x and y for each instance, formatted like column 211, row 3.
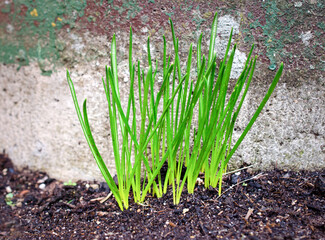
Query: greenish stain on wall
column 131, row 6
column 198, row 19
column 273, row 25
column 321, row 25
column 6, row 8
column 34, row 25
column 169, row 14
column 280, row 23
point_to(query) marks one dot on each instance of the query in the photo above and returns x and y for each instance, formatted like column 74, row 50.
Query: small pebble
column 101, row 213
column 30, row 199
column 254, row 184
column 298, row 4
column 94, row 186
column 42, row 180
column 42, row 186
column 185, row 210
column 8, row 189
column 103, row 187
column 234, row 178
column 199, row 181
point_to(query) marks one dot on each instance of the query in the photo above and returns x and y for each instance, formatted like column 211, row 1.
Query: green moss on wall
column 280, row 24
column 32, row 29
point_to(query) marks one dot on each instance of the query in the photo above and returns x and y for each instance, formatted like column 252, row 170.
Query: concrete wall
column 39, row 40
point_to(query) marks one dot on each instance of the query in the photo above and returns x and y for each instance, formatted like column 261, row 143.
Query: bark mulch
column 276, row 204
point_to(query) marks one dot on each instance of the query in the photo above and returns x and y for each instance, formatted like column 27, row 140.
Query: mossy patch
column 34, row 30
column 279, row 25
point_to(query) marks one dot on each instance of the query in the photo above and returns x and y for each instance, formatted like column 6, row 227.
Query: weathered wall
column 40, row 39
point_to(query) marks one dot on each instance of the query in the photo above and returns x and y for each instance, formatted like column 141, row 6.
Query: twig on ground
column 237, row 170
column 237, row 184
column 102, row 199
column 106, row 198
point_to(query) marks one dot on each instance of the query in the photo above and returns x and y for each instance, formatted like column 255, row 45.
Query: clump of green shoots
column 167, row 135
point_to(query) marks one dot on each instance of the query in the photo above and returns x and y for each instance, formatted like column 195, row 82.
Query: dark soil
column 269, row 205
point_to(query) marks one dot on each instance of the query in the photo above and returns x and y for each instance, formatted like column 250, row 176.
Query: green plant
column 167, row 135
column 8, row 199
column 70, row 183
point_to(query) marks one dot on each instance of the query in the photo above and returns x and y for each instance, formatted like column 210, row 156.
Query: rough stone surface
column 290, row 132
column 39, row 125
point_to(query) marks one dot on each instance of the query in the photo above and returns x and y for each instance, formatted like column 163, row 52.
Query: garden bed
column 275, row 204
